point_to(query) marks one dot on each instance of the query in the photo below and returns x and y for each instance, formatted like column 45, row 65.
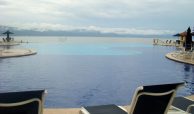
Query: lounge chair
column 25, row 102
column 154, row 99
column 184, row 104
column 4, row 40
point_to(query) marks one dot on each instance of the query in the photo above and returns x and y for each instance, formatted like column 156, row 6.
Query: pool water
column 80, row 72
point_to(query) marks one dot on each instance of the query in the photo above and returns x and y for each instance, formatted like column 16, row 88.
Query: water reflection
column 2, row 48
column 0, row 60
column 189, row 78
column 5, row 47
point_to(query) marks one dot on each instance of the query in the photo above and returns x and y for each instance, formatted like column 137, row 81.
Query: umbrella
column 8, row 32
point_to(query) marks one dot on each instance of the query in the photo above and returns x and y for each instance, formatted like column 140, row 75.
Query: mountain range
column 76, row 32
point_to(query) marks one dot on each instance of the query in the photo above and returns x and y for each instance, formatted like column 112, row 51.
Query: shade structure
column 7, row 33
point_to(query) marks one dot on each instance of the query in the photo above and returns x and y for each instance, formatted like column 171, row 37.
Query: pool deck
column 61, row 111
column 183, row 57
column 164, row 43
column 74, row 110
column 7, row 53
column 13, row 43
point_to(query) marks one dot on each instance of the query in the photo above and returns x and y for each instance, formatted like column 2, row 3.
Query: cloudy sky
column 121, row 16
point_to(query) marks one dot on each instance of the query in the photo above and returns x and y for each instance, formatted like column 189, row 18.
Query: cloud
column 88, row 8
column 3, row 3
column 125, row 31
column 164, row 14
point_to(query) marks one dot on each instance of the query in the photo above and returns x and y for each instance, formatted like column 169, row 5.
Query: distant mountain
column 78, row 32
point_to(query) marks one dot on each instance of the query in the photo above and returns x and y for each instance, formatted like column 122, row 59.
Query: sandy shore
column 184, row 57
column 6, row 53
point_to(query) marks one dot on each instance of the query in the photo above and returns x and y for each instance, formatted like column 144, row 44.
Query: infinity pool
column 92, row 71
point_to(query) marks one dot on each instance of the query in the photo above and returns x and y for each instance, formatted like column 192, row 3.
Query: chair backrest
column 4, row 40
column 25, row 102
column 154, row 99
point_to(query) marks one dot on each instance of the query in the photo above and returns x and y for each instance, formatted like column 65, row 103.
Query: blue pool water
column 78, row 74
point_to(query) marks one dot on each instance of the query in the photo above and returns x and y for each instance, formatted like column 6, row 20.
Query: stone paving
column 181, row 56
column 6, row 53
column 9, row 43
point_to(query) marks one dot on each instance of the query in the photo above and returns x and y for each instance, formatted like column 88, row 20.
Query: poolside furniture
column 184, row 104
column 170, row 41
column 25, row 102
column 153, row 99
column 4, row 40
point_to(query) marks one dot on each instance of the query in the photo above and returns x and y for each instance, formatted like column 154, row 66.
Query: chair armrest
column 23, row 103
column 189, row 108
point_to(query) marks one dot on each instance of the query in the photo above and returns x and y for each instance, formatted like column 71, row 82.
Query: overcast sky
column 124, row 16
